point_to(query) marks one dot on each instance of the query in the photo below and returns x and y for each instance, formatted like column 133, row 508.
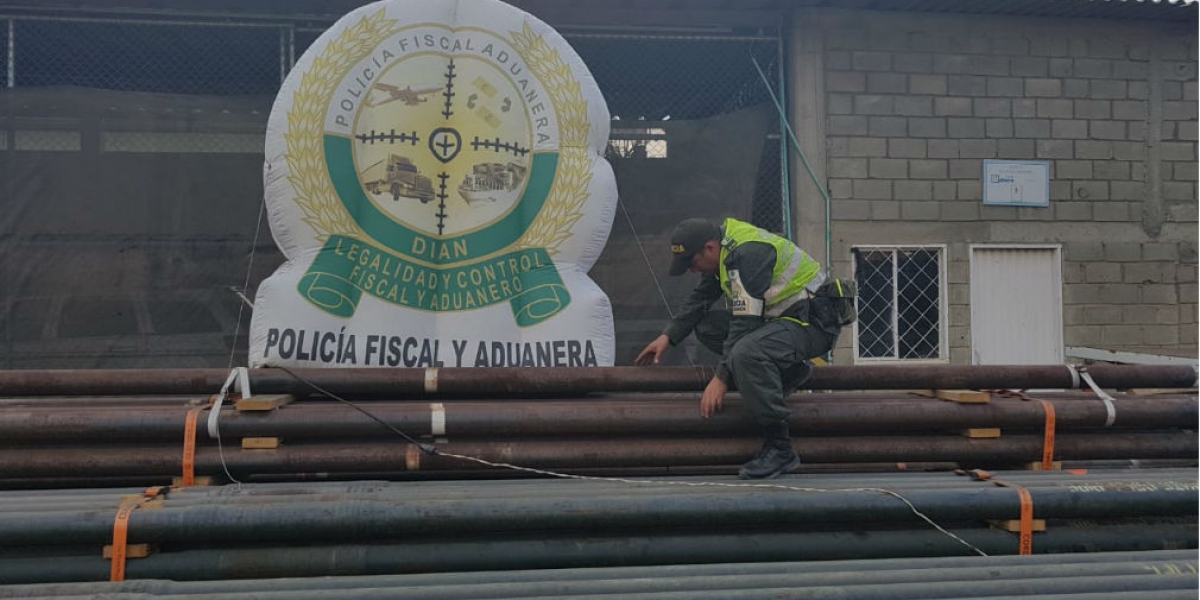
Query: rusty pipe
column 644, row 414
column 573, row 380
column 364, row 458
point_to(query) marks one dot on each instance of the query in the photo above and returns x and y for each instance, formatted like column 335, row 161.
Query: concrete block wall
column 913, row 104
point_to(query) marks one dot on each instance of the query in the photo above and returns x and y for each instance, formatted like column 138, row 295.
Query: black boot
column 776, row 457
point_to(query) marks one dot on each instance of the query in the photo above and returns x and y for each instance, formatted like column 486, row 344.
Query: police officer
column 765, row 338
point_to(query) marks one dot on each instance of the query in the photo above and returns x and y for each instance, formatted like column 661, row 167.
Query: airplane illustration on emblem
column 409, row 96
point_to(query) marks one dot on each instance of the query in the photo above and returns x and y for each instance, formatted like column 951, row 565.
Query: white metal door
column 1016, row 305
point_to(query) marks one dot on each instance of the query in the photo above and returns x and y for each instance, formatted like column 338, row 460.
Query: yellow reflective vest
column 794, row 269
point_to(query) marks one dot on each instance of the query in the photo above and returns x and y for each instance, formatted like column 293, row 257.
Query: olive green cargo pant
column 768, row 363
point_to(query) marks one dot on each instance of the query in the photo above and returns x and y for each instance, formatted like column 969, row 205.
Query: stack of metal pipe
column 410, row 445
column 372, row 528
column 585, row 421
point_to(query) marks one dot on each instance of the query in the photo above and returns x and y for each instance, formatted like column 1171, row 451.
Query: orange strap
column 1025, row 541
column 189, row 446
column 1025, row 534
column 189, row 443
column 120, row 534
column 121, row 530
column 1048, row 439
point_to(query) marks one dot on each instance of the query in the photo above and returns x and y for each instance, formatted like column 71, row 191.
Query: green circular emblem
column 443, row 144
column 442, row 147
column 440, row 167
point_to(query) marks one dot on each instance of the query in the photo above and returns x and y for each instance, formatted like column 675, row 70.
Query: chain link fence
column 131, row 231
column 155, row 57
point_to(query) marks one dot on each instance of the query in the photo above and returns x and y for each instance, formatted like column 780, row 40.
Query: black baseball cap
column 687, row 239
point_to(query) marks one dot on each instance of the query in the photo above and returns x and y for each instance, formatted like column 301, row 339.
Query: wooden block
column 982, row 432
column 152, row 503
column 200, row 481
column 1014, row 525
column 260, row 443
column 265, row 402
column 131, row 551
column 1037, row 466
column 960, row 396
column 1160, row 391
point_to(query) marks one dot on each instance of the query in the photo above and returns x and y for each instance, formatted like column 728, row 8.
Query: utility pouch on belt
column 840, row 293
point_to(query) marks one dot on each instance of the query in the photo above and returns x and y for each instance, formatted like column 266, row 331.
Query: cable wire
column 237, row 329
column 225, row 465
column 779, row 486
column 657, row 284
column 427, row 448
column 646, row 259
column 433, row 451
column 246, row 284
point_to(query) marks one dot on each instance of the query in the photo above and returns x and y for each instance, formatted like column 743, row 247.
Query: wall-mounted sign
column 435, row 177
column 1016, row 182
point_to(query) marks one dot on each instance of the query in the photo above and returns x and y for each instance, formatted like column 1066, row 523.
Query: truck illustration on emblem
column 399, row 177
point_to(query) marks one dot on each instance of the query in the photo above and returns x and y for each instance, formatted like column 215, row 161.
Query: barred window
column 901, row 292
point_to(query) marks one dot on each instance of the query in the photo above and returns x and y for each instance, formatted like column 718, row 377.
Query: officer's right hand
column 654, row 350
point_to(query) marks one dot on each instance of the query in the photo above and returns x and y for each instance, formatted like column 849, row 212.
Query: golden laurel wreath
column 306, row 122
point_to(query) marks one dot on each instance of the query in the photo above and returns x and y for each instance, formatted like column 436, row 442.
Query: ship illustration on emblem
column 487, row 181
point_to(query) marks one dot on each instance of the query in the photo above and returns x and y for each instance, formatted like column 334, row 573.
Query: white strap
column 239, row 377
column 1074, row 377
column 1108, row 400
column 431, row 377
column 437, row 418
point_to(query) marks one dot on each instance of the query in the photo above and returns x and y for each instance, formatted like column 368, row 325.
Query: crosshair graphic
column 499, row 146
column 449, row 92
column 471, row 152
column 390, row 137
column 441, row 212
column 445, row 142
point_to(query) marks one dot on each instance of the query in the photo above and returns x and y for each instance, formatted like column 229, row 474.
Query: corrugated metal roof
column 624, row 11
column 1159, row 10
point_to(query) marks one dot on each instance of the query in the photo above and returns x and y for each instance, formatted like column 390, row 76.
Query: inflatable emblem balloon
column 435, row 178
